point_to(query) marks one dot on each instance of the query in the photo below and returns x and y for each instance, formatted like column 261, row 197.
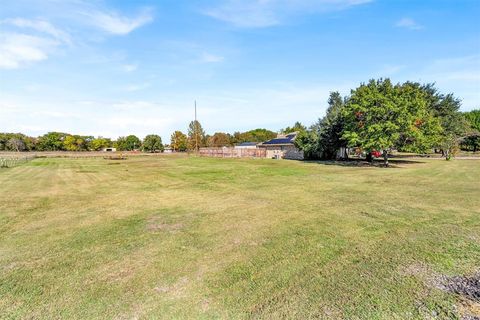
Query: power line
column 196, row 128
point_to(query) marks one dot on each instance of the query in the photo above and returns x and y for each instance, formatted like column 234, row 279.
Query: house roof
column 247, row 144
column 283, row 140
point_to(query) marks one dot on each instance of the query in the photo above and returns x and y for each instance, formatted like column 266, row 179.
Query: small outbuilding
column 283, row 147
column 109, row 149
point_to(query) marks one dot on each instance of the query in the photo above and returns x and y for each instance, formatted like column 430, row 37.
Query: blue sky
column 114, row 68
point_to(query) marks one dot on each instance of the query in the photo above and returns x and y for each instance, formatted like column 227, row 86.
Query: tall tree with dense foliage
column 379, row 116
column 323, row 140
column 446, row 108
column 471, row 141
column 152, row 143
column 330, row 128
column 196, row 136
column 473, row 118
column 178, row 141
column 51, row 141
column 307, row 141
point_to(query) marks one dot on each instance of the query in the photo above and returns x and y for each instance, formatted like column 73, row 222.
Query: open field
column 186, row 237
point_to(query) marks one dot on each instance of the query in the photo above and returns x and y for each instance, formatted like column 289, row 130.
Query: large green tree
column 307, row 141
column 178, row 141
column 51, row 141
column 380, row 116
column 153, row 143
column 128, row 143
column 330, row 128
column 473, row 118
column 446, row 108
column 471, row 142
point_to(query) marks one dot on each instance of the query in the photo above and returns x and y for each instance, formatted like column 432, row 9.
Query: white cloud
column 265, row 13
column 137, row 87
column 209, row 58
column 129, row 67
column 115, row 23
column 245, row 14
column 40, row 26
column 25, row 41
column 408, row 23
column 19, row 49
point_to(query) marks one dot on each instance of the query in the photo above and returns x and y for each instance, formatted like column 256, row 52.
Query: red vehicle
column 376, row 153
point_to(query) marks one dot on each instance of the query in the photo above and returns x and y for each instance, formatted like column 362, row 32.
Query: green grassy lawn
column 179, row 237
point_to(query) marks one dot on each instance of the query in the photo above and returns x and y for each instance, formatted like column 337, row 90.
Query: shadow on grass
column 393, row 163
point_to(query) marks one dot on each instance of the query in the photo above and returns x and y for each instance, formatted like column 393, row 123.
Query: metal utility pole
column 196, row 128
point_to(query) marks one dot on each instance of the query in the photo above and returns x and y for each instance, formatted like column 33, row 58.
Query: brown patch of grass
column 174, row 290
column 154, row 225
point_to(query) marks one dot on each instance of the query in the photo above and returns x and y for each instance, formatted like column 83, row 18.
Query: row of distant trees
column 195, row 138
column 59, row 141
column 380, row 116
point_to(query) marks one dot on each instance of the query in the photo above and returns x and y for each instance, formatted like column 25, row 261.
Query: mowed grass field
column 201, row 238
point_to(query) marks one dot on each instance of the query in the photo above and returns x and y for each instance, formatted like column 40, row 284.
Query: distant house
column 282, row 147
column 246, row 145
column 109, row 149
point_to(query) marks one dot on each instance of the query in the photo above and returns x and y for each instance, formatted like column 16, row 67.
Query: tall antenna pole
column 196, row 128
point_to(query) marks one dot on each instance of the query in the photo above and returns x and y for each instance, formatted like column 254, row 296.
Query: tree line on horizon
column 195, row 138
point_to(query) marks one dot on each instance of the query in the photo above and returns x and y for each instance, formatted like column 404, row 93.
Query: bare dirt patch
column 174, row 290
column 468, row 291
column 466, row 288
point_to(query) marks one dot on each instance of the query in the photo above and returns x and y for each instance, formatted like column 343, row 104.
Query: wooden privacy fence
column 233, row 153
